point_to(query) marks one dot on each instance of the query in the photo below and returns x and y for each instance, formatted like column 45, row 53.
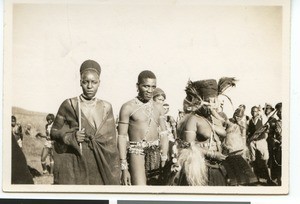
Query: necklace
column 89, row 103
column 147, row 109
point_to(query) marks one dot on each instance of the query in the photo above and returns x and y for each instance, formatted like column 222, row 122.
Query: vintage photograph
column 188, row 97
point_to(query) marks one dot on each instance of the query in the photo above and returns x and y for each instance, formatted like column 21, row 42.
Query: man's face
column 268, row 110
column 279, row 113
column 89, row 83
column 146, row 88
column 13, row 122
column 255, row 112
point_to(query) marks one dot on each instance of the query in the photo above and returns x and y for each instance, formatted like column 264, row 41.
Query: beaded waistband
column 139, row 147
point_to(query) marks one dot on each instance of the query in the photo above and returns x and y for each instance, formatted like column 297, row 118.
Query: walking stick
column 79, row 121
column 262, row 129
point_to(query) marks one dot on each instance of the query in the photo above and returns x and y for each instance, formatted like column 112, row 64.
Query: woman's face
column 159, row 99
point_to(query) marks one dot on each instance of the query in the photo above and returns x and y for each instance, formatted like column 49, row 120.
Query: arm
column 47, row 136
column 218, row 127
column 218, row 123
column 243, row 127
column 64, row 130
column 122, row 143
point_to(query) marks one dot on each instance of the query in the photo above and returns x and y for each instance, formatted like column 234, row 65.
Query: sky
column 177, row 42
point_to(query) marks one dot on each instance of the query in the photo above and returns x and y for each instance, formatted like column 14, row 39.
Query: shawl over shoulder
column 72, row 167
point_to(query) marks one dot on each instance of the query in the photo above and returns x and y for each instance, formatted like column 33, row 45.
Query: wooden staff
column 257, row 134
column 79, row 122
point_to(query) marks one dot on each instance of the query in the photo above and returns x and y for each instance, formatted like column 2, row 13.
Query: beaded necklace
column 147, row 109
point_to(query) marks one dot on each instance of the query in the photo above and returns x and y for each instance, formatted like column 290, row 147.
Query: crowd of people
column 203, row 146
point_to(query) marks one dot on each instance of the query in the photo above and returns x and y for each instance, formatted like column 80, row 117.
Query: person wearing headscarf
column 159, row 95
column 85, row 136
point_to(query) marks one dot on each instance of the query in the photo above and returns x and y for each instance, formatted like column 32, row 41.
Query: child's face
column 13, row 122
column 49, row 121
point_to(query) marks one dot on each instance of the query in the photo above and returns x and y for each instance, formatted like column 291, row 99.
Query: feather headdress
column 224, row 83
column 190, row 89
column 197, row 91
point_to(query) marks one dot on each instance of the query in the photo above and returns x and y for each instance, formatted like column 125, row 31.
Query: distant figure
column 48, row 146
column 159, row 95
column 269, row 119
column 180, row 116
column 275, row 138
column 258, row 147
column 239, row 118
column 85, row 136
column 243, row 108
column 17, row 131
column 142, row 120
column 20, row 173
column 171, row 123
column 267, row 114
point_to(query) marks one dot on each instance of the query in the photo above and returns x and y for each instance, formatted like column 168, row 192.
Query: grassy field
column 33, row 123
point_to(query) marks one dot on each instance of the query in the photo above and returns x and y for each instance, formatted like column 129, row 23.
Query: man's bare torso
column 143, row 120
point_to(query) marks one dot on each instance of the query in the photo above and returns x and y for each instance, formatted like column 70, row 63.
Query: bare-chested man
column 142, row 121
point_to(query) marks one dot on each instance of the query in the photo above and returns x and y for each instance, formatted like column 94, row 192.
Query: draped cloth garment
column 97, row 162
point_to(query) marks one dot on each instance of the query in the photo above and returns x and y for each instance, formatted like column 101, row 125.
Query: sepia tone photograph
column 185, row 97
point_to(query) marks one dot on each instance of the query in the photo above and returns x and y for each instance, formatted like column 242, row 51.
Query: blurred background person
column 20, row 173
column 17, row 131
column 47, row 150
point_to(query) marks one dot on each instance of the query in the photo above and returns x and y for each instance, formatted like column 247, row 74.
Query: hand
column 219, row 156
column 163, row 163
column 80, row 135
column 125, row 178
column 175, row 168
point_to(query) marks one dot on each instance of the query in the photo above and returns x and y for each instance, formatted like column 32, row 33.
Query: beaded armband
column 183, row 144
column 121, row 122
column 124, row 164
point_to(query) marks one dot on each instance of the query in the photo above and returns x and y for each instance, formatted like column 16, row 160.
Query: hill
column 30, row 120
column 32, row 123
